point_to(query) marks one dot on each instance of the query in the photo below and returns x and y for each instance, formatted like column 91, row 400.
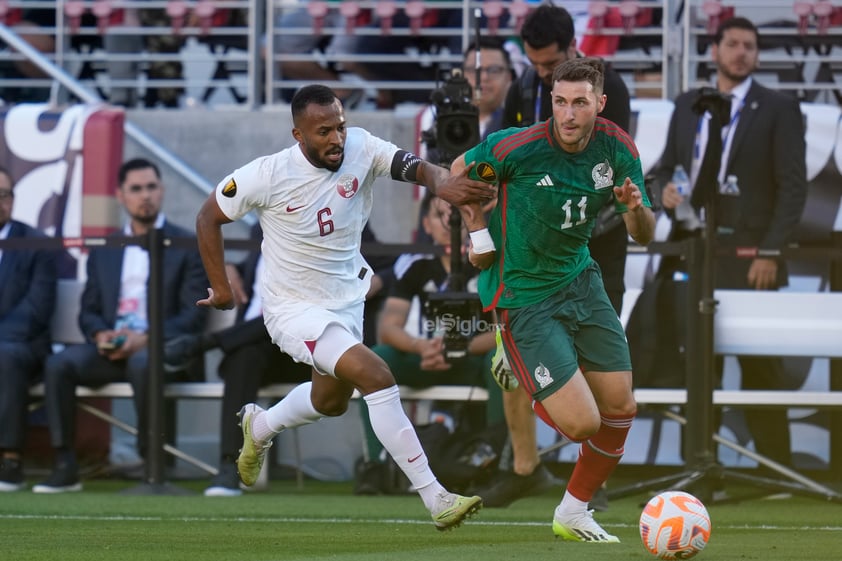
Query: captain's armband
column 405, row 166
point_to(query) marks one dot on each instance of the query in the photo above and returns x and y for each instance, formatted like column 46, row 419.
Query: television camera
column 456, row 126
column 457, row 313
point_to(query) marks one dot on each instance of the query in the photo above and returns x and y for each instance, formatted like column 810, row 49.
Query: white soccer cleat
column 580, row 527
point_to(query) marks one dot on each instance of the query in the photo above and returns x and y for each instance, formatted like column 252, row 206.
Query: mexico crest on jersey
column 603, row 175
column 347, row 185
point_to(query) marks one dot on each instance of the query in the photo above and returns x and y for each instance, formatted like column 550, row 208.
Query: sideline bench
column 65, row 330
column 214, row 390
column 759, row 323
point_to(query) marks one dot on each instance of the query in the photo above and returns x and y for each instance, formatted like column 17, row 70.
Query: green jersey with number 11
column 547, row 204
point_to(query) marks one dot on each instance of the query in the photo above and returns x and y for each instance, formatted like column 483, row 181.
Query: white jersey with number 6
column 312, row 219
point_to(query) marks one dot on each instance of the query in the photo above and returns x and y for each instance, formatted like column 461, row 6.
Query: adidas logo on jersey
column 545, row 181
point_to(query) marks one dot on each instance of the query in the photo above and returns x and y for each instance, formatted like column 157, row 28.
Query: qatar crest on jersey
column 347, row 185
column 603, row 175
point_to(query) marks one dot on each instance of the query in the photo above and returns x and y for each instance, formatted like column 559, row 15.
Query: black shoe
column 64, row 479
column 179, row 351
column 11, row 475
column 509, row 487
column 599, row 501
column 226, row 483
column 369, row 478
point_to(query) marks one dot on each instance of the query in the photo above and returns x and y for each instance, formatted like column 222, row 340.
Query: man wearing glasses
column 113, row 319
column 495, row 77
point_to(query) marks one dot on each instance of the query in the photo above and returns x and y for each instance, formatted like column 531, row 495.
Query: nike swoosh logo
column 416, row 457
column 294, row 208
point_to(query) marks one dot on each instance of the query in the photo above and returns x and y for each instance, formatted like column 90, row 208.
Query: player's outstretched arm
column 456, row 188
column 209, row 223
column 640, row 221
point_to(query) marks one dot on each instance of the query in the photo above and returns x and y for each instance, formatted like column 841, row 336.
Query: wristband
column 482, row 242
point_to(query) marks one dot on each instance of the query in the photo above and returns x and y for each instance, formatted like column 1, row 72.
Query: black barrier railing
column 702, row 469
column 699, row 349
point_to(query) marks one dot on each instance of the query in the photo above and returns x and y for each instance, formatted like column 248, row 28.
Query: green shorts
column 575, row 327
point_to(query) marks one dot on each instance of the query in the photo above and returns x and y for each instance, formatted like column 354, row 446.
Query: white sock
column 571, row 505
column 260, row 431
column 294, row 410
column 396, row 433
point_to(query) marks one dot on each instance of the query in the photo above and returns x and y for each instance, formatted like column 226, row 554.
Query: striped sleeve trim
column 505, row 146
column 614, row 130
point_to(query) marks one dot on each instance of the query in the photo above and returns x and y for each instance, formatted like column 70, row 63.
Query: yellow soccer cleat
column 252, row 453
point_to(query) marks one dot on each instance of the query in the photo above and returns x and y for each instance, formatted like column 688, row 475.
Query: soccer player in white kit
column 312, row 200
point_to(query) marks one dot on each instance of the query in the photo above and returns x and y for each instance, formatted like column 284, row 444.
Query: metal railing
column 227, row 51
column 797, row 43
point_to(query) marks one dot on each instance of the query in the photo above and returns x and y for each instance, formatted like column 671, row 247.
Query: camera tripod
column 703, row 475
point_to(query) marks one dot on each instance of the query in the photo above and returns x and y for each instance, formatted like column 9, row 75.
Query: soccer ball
column 674, row 525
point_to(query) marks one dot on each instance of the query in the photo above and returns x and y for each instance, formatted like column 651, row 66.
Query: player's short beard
column 314, row 156
column 333, row 167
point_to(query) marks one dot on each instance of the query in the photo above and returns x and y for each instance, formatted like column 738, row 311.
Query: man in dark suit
column 113, row 318
column 549, row 39
column 27, row 298
column 763, row 147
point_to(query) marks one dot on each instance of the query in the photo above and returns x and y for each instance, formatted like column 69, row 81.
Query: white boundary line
column 301, row 520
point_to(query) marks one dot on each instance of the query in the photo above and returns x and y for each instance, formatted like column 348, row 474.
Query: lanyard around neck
column 727, row 139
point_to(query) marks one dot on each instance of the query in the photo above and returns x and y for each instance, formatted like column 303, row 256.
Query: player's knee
column 376, row 377
column 583, row 429
column 627, row 408
column 331, row 406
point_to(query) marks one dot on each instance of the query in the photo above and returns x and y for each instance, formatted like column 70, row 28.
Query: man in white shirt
column 313, row 200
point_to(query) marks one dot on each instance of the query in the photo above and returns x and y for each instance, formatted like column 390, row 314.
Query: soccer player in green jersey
column 562, row 337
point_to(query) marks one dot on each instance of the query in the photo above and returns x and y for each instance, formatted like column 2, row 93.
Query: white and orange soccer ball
column 674, row 525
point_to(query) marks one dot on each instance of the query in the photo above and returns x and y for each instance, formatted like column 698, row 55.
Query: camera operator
column 485, row 115
column 419, row 360
column 496, row 75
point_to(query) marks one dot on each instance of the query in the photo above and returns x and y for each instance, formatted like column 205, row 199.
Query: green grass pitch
column 326, row 521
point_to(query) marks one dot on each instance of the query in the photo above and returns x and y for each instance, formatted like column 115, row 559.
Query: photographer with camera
column 422, row 360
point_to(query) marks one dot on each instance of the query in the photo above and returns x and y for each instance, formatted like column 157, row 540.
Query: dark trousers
column 769, row 427
column 21, row 366
column 251, row 361
column 82, row 365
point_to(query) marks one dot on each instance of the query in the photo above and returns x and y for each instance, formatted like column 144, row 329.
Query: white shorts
column 301, row 330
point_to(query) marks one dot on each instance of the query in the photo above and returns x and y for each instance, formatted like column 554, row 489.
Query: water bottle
column 684, row 212
column 730, row 186
column 729, row 206
column 681, row 180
